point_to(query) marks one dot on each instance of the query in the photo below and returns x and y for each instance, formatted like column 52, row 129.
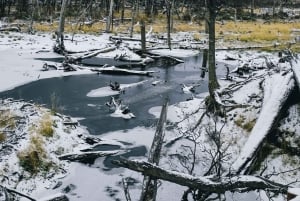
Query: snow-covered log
column 277, row 89
column 84, row 156
column 78, row 57
column 120, row 71
column 12, row 191
column 129, row 39
column 207, row 183
column 17, row 29
column 57, row 197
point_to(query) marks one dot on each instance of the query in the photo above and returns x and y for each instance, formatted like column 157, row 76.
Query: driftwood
column 149, row 188
column 206, row 184
column 272, row 105
column 84, row 156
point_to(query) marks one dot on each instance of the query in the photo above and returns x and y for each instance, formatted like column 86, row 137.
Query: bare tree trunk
column 252, row 9
column 109, row 18
column 60, row 47
column 149, row 188
column 143, row 36
column 212, row 77
column 122, row 11
column 169, row 7
column 133, row 14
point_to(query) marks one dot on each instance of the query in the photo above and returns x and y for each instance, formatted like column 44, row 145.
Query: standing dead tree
column 149, row 188
column 59, row 46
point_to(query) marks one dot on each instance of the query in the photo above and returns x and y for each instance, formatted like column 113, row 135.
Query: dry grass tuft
column 33, row 158
column 7, row 119
column 246, row 125
column 45, row 127
column 2, row 137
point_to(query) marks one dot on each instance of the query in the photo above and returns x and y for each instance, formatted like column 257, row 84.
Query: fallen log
column 129, row 39
column 207, row 183
column 57, row 197
column 78, row 57
column 86, row 156
column 276, row 91
column 120, row 71
column 17, row 29
column 12, row 191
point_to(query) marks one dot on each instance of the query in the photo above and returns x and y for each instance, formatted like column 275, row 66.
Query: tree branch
column 206, row 184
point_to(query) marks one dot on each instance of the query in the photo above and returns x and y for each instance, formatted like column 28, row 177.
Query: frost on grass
column 29, row 155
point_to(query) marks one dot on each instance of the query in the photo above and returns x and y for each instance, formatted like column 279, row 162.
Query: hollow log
column 207, row 183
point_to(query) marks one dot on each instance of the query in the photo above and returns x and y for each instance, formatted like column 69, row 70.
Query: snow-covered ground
column 19, row 65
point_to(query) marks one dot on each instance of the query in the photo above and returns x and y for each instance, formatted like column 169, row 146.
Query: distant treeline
column 98, row 9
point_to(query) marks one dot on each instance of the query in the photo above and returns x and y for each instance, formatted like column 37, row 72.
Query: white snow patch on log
column 107, row 91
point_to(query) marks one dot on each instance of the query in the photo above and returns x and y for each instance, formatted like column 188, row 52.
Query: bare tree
column 59, row 46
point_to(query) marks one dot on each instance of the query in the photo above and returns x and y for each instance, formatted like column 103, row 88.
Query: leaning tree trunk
column 149, row 189
column 60, row 47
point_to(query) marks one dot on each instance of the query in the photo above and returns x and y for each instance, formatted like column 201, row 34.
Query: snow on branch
column 207, row 183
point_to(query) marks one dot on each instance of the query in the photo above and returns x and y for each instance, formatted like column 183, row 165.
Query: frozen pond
column 71, row 94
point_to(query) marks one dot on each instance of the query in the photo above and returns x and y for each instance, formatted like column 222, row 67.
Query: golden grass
column 244, row 31
column 2, row 137
column 246, row 125
column 45, row 128
column 257, row 31
column 7, row 119
column 32, row 158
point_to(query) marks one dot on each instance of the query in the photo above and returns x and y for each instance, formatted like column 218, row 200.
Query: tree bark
column 205, row 184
